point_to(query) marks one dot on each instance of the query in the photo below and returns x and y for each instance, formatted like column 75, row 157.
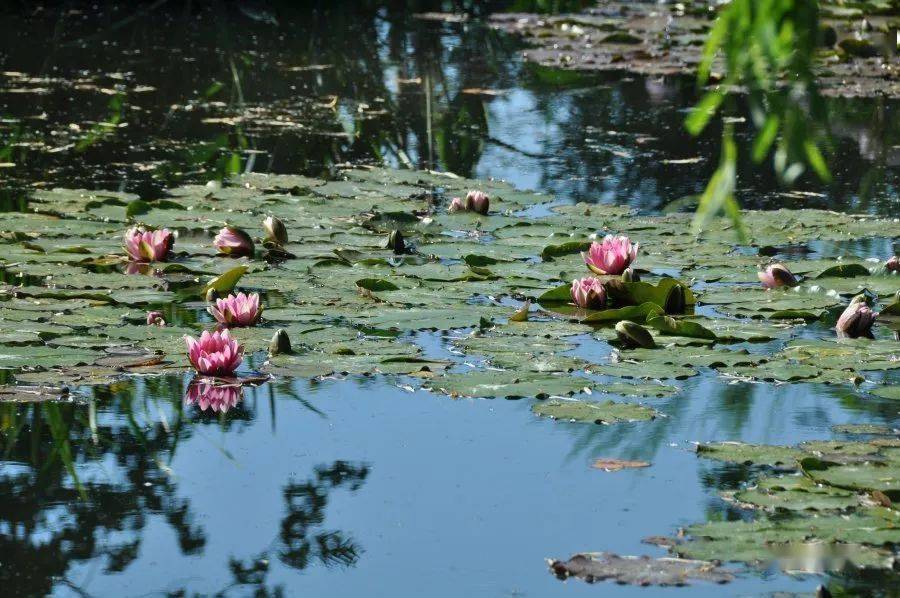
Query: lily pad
column 640, row 571
column 609, row 412
column 751, row 454
column 506, row 384
column 796, row 493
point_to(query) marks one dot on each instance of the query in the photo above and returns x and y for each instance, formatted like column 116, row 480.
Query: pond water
column 367, row 485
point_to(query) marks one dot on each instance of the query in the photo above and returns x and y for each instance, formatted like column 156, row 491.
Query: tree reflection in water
column 77, row 486
column 301, row 537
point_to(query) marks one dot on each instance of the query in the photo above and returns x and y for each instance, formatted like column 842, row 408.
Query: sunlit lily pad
column 609, row 412
column 867, row 475
column 509, row 384
column 796, row 493
column 751, row 454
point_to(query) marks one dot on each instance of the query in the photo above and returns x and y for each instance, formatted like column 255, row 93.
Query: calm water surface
column 359, row 487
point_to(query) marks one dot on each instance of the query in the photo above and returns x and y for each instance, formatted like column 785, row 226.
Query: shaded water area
column 371, row 485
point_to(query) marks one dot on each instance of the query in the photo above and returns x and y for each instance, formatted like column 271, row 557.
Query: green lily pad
column 508, row 384
column 751, row 454
column 887, row 392
column 867, row 476
column 35, row 356
column 609, row 412
column 796, row 493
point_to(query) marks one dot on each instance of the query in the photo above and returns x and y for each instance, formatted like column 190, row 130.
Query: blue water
column 443, row 497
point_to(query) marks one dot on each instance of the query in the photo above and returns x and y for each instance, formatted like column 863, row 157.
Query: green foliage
column 767, row 49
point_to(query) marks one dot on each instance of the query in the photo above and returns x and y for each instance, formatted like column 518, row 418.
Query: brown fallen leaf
column 617, row 464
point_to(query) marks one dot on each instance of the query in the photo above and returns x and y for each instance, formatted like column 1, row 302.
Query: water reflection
column 85, row 483
column 303, row 539
column 90, row 486
column 216, row 397
column 74, row 488
column 320, row 85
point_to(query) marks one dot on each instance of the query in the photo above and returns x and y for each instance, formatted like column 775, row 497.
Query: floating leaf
column 750, row 454
column 669, row 325
column 609, row 412
column 509, row 384
column 844, row 271
column 376, row 285
column 569, row 248
column 639, row 571
column 637, row 313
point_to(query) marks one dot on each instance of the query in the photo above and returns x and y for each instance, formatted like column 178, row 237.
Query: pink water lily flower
column 237, row 310
column 477, row 201
column 893, row 264
column 612, row 255
column 588, row 293
column 857, row 319
column 148, row 246
column 155, row 318
column 218, row 398
column 234, row 242
column 456, row 205
column 777, row 275
column 214, row 354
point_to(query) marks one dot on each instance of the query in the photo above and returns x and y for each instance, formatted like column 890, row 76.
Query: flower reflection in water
column 142, row 268
column 207, row 394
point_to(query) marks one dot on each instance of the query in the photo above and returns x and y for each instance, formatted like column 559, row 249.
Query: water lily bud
column 676, row 300
column 456, row 205
column 893, row 264
column 777, row 275
column 234, row 242
column 634, row 335
column 155, row 318
column 396, row 242
column 857, row 319
column 276, row 232
column 629, row 275
column 477, row 201
column 280, row 344
column 588, row 293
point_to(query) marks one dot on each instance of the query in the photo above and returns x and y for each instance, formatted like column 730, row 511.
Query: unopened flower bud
column 634, row 335
column 629, row 275
column 276, row 232
column 280, row 344
column 676, row 301
column 396, row 242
